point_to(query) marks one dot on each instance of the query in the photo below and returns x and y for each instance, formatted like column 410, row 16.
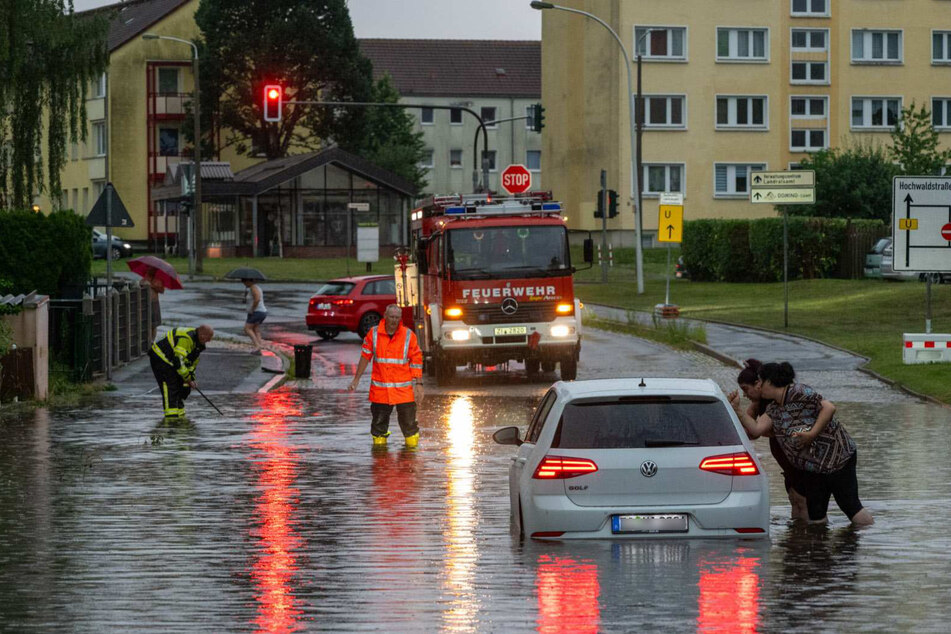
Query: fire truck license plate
column 511, row 330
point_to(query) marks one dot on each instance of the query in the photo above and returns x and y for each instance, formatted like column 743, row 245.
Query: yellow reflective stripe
column 161, row 355
column 165, row 396
column 381, row 384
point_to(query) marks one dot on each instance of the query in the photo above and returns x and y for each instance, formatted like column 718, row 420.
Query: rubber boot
column 379, row 441
column 412, row 441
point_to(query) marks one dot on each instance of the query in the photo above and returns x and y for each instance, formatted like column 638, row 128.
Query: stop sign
column 516, row 179
column 946, row 232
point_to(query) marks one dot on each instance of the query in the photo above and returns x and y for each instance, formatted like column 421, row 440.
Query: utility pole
column 603, row 204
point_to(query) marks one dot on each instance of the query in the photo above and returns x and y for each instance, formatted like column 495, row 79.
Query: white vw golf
column 630, row 458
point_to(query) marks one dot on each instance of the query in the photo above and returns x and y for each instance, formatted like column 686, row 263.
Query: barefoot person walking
column 257, row 312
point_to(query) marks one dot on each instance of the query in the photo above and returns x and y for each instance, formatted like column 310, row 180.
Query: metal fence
column 858, row 242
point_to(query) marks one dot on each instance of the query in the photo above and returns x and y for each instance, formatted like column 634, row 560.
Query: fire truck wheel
column 445, row 371
column 367, row 322
column 548, row 366
column 569, row 369
column 531, row 368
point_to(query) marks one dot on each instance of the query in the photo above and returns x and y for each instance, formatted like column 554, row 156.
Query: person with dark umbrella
column 174, row 359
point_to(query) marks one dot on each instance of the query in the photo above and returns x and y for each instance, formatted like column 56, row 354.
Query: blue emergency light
column 551, row 207
column 451, row 211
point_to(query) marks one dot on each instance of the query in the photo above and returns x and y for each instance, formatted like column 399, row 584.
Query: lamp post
column 635, row 197
column 639, row 167
column 196, row 207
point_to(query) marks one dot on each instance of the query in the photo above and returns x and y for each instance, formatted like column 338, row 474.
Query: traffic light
column 538, row 117
column 273, row 102
column 612, row 203
column 599, row 212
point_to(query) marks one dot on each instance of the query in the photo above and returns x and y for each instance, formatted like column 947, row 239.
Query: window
column 426, row 162
column 661, row 42
column 99, row 138
column 741, row 112
column 380, row 287
column 807, row 107
column 941, row 47
column 455, row 158
column 99, row 88
column 488, row 114
column 809, row 73
column 807, row 140
column 809, row 39
column 168, row 142
column 876, row 46
column 490, row 160
column 941, row 112
column 733, row 179
column 426, row 116
column 810, row 7
column 541, row 413
column 97, row 187
column 875, row 112
column 662, row 177
column 455, row 116
column 742, row 45
column 533, row 160
column 168, row 81
column 663, row 111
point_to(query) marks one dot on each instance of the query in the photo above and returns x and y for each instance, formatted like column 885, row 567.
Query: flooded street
column 279, row 517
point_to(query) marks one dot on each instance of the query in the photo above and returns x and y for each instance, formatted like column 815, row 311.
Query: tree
column 391, row 141
column 308, row 47
column 48, row 57
column 854, row 182
column 915, row 143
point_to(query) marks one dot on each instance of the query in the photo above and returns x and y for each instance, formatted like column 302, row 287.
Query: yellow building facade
column 729, row 87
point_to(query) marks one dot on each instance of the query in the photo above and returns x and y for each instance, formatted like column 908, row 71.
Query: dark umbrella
column 149, row 265
column 245, row 273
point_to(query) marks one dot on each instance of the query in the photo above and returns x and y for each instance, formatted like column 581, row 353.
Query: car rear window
column 335, row 288
column 639, row 422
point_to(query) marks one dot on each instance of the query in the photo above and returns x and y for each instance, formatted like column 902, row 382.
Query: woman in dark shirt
column 814, row 442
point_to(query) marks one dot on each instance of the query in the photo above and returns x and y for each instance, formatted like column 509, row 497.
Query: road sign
column 783, row 196
column 672, row 198
column 670, row 223
column 108, row 211
column 921, row 223
column 358, row 206
column 516, row 179
column 795, row 178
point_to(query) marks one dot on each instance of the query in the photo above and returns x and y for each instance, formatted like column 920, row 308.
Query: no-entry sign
column 516, row 179
column 946, row 232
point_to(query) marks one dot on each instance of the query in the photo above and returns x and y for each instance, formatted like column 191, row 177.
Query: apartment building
column 729, row 87
column 499, row 80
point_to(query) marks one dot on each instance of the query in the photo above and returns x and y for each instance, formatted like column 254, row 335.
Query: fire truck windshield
column 508, row 252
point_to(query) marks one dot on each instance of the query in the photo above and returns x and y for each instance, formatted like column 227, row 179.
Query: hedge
column 752, row 250
column 49, row 254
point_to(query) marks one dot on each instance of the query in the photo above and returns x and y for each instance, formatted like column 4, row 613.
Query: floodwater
column 280, row 517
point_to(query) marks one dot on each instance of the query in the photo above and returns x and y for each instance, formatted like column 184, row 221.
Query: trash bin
column 302, row 361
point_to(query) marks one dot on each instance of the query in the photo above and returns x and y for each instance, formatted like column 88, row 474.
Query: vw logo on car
column 509, row 305
column 648, row 468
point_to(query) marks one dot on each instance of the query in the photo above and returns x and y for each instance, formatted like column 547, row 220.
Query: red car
column 354, row 304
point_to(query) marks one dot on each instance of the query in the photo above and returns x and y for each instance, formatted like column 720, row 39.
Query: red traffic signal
column 273, row 102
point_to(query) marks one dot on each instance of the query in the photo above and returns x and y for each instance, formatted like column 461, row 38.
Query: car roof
column 360, row 278
column 653, row 386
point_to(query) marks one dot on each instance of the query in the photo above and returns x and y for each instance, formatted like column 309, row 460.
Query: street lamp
column 196, row 207
column 638, row 251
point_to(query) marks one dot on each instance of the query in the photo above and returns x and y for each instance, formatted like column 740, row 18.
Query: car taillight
column 560, row 468
column 313, row 302
column 342, row 302
column 733, row 464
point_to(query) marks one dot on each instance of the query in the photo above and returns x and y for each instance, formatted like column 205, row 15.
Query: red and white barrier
column 926, row 348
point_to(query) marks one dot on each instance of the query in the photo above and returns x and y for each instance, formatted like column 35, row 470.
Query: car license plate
column 323, row 306
column 666, row 523
column 511, row 330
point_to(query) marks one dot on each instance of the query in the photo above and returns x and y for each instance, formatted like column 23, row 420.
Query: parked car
column 873, row 259
column 353, row 304
column 622, row 458
column 888, row 270
column 879, row 262
column 120, row 248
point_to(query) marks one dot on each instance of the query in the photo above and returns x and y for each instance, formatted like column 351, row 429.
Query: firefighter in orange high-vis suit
column 397, row 377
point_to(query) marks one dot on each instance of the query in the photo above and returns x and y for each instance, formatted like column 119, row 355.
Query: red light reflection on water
column 275, row 508
column 568, row 593
column 729, row 595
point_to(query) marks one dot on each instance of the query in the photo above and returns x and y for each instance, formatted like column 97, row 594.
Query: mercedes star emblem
column 509, row 305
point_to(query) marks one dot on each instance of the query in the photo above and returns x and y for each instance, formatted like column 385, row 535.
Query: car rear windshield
column 639, row 422
column 336, row 288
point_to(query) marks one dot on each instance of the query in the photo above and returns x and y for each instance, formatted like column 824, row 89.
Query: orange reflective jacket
column 397, row 360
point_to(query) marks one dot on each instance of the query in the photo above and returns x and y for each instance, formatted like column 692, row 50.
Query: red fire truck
column 491, row 283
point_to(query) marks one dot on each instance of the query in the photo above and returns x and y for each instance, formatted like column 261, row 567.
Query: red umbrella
column 157, row 268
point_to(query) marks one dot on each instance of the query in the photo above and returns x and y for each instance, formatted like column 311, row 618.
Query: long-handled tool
column 209, row 401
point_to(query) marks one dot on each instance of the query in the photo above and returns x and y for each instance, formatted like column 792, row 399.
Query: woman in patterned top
column 814, row 442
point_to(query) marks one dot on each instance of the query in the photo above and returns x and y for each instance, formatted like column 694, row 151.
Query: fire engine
column 491, row 283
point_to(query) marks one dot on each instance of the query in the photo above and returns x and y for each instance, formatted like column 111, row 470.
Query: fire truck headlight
column 565, row 309
column 560, row 331
column 453, row 311
column 459, row 335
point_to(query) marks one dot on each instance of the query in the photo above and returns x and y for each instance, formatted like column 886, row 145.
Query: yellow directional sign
column 907, row 224
column 670, row 223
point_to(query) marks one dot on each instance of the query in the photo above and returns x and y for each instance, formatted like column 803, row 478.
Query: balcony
column 168, row 106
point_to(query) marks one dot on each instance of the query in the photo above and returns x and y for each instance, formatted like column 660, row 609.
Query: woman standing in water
column 804, row 425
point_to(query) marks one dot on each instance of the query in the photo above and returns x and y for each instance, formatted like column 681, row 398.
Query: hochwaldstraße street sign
column 921, row 223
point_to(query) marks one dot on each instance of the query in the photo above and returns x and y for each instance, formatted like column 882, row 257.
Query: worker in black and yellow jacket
column 174, row 358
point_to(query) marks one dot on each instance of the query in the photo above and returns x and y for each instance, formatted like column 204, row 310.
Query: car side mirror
column 507, row 436
column 588, row 251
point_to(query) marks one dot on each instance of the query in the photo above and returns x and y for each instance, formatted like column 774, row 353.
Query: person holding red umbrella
column 160, row 275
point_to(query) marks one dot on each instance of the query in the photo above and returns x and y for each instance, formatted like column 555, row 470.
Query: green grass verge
column 673, row 333
column 276, row 269
column 866, row 316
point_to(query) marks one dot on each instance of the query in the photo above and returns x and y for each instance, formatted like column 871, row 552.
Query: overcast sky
column 432, row 19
